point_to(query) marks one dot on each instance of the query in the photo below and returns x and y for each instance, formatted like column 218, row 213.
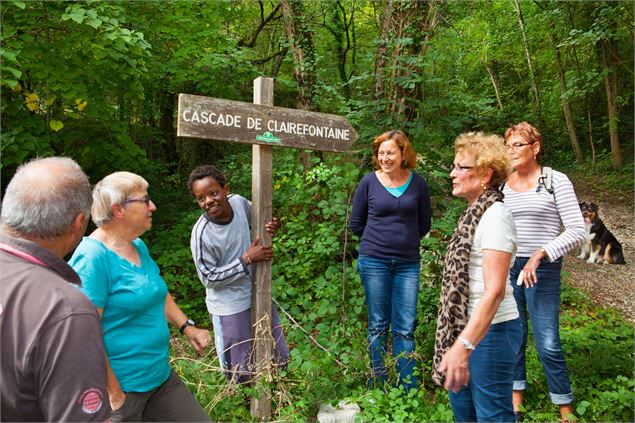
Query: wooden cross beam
column 264, row 126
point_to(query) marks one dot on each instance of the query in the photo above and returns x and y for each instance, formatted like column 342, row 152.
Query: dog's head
column 589, row 211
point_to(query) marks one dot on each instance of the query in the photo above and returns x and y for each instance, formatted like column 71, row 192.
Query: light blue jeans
column 392, row 289
column 488, row 398
column 542, row 301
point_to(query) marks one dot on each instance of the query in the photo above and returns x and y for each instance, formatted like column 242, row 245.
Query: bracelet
column 247, row 259
column 467, row 344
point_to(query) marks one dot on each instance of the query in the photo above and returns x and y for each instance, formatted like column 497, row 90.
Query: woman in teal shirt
column 121, row 279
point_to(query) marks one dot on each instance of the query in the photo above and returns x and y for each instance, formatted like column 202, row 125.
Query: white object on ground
column 344, row 413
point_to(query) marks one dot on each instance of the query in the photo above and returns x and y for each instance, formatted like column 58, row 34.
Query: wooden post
column 261, row 210
column 261, row 124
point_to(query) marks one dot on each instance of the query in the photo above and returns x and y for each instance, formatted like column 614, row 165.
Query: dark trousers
column 169, row 402
column 234, row 344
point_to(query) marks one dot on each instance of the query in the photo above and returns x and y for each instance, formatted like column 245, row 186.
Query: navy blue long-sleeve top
column 391, row 227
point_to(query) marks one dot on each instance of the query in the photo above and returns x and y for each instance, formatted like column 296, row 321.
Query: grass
column 329, row 361
column 598, row 345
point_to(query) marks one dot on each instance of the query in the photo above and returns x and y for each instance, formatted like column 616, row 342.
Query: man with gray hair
column 53, row 361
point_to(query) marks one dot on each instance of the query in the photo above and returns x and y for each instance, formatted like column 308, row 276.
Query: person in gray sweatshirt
column 223, row 253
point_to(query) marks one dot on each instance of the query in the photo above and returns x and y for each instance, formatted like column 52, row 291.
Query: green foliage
column 98, row 81
column 77, row 66
column 170, row 247
column 321, row 305
column 604, row 391
column 599, row 354
column 203, row 376
column 397, row 406
column 605, row 178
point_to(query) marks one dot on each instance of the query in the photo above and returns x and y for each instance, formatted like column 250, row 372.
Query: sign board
column 265, row 126
column 218, row 119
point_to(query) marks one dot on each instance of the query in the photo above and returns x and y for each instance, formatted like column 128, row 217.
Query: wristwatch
column 467, row 344
column 188, row 322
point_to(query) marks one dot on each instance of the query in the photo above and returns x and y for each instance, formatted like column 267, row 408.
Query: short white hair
column 44, row 197
column 114, row 189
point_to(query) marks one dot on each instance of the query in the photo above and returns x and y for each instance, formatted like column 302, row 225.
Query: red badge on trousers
column 91, row 401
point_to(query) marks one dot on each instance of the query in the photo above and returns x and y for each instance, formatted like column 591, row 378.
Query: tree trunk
column 166, row 124
column 568, row 116
column 400, row 24
column 593, row 156
column 532, row 76
column 493, row 76
column 427, row 27
column 381, row 57
column 277, row 63
column 299, row 35
column 609, row 62
column 586, row 99
column 416, row 20
column 339, row 25
column 354, row 43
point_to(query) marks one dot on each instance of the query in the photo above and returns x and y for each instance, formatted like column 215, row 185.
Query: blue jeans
column 543, row 303
column 488, row 398
column 392, row 289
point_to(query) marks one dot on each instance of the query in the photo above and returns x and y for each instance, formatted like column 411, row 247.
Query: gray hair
column 114, row 189
column 44, row 197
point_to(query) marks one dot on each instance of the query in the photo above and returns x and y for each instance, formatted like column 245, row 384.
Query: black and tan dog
column 600, row 245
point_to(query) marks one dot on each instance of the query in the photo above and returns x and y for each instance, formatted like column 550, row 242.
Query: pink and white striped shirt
column 539, row 215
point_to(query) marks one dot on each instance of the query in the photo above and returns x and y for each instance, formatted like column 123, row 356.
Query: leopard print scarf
column 456, row 281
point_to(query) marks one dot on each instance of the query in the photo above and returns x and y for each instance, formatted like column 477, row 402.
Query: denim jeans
column 543, row 303
column 392, row 289
column 488, row 398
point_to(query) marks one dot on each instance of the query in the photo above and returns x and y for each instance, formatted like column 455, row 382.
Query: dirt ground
column 607, row 285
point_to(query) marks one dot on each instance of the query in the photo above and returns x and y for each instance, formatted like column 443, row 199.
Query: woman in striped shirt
column 538, row 215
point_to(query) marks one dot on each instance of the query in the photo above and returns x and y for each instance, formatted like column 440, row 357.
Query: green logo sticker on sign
column 268, row 137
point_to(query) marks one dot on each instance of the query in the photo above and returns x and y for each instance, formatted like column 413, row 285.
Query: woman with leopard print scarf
column 478, row 330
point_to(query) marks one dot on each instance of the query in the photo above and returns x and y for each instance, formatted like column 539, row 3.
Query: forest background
column 98, row 81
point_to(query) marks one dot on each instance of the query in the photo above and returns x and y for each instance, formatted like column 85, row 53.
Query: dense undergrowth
column 321, row 304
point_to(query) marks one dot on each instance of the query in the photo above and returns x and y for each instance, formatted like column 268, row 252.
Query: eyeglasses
column 517, row 145
column 460, row 168
column 145, row 199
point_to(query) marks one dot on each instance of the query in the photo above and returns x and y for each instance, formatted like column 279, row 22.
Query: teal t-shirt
column 136, row 334
column 398, row 191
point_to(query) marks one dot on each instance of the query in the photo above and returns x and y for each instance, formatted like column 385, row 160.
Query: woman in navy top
column 391, row 213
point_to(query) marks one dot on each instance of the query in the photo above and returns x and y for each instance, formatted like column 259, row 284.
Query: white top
column 538, row 218
column 495, row 231
column 217, row 248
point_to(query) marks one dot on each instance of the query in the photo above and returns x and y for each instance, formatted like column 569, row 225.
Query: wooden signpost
column 264, row 126
column 261, row 123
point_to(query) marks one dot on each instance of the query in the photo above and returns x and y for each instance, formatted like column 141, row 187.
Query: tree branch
column 263, row 22
column 263, row 60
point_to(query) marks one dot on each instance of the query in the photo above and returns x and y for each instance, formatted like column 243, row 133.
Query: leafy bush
column 321, row 305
